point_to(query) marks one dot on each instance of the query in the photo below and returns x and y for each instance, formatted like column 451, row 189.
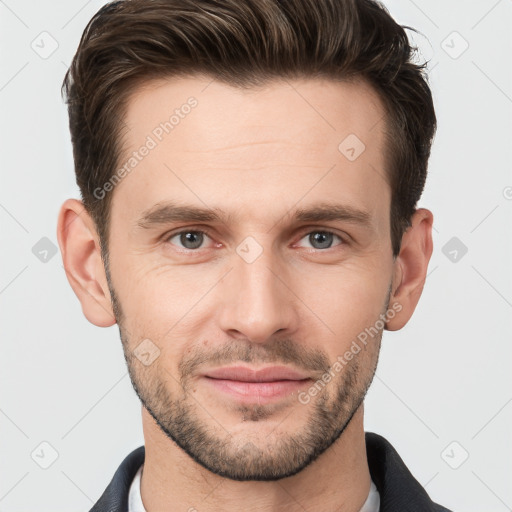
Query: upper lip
column 245, row 374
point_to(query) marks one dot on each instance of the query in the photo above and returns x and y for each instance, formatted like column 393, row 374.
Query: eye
column 322, row 239
column 189, row 239
column 192, row 239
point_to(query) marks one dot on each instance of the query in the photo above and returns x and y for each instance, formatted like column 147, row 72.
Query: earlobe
column 411, row 268
column 81, row 257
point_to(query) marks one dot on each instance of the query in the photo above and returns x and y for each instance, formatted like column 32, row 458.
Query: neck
column 338, row 480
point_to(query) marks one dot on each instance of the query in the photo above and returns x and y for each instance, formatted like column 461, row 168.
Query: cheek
column 347, row 298
column 152, row 301
column 343, row 306
column 171, row 309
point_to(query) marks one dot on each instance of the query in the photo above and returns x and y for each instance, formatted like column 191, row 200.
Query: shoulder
column 115, row 496
column 398, row 488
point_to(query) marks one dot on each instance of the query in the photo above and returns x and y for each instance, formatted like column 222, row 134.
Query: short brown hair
column 245, row 43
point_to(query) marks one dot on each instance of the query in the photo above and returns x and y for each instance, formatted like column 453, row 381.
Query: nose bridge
column 258, row 302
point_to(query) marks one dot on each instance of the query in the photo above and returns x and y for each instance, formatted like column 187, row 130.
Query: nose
column 257, row 299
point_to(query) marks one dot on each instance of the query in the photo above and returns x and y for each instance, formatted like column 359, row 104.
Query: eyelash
column 207, row 232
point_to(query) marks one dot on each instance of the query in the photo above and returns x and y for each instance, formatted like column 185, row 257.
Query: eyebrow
column 168, row 212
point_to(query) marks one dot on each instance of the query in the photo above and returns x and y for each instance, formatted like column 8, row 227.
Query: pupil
column 321, row 238
column 187, row 239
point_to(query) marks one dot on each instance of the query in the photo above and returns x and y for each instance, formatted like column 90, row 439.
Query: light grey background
column 442, row 389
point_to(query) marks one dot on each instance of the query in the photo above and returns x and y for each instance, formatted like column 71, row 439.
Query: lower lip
column 258, row 391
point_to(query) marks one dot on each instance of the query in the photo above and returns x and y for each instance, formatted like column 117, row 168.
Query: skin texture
column 258, row 155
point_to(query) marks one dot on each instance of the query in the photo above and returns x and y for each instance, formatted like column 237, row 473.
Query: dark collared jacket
column 399, row 490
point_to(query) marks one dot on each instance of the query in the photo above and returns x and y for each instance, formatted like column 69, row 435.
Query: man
column 249, row 172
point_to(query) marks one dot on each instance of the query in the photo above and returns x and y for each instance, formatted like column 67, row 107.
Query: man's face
column 261, row 285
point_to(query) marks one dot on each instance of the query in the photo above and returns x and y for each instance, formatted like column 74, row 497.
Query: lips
column 261, row 386
column 245, row 374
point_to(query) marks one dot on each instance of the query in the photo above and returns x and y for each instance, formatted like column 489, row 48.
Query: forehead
column 281, row 144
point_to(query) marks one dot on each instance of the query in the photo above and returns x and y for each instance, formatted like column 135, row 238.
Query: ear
column 81, row 256
column 410, row 268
